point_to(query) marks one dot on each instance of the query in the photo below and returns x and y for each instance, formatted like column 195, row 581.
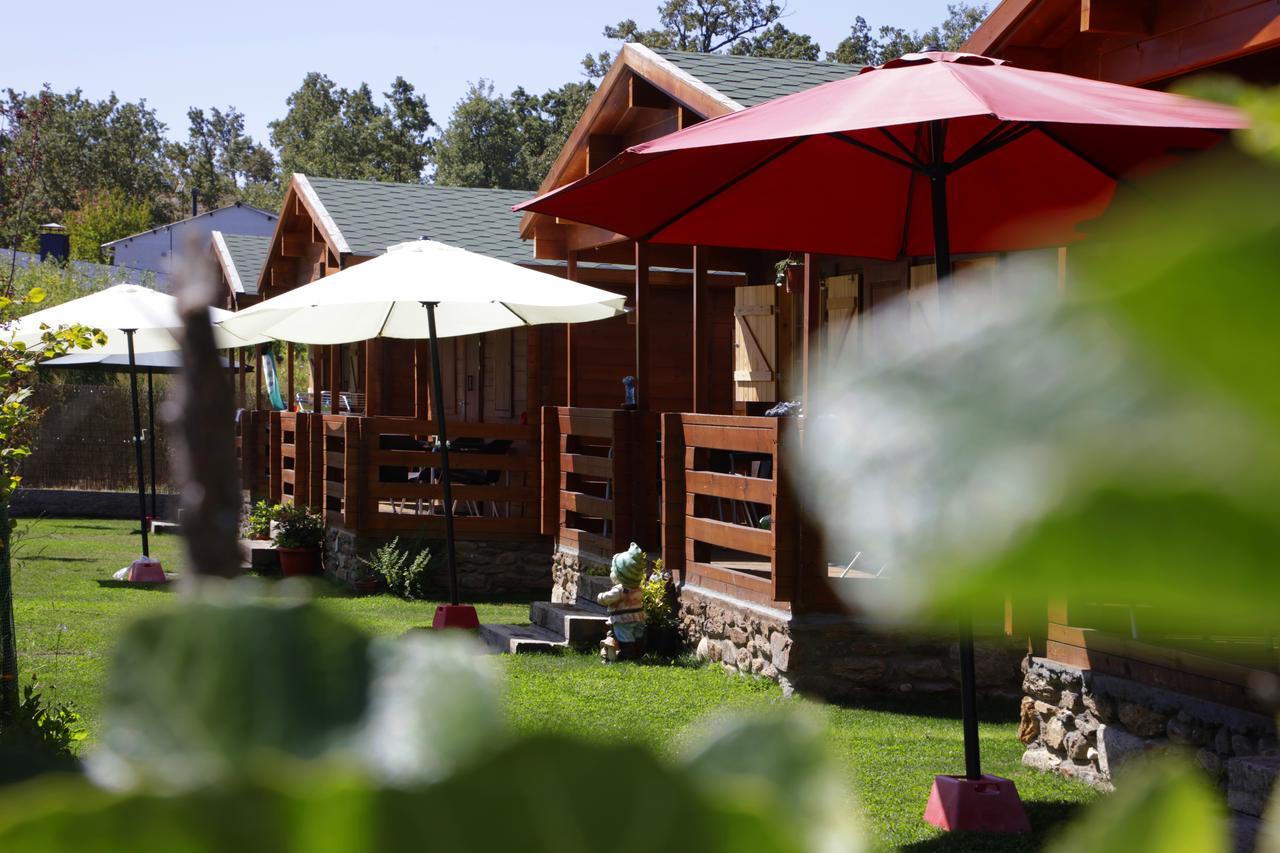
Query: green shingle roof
column 373, row 215
column 248, row 254
column 752, row 80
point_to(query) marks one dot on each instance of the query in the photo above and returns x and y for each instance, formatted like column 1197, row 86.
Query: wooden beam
column 643, row 306
column 810, row 352
column 373, row 377
column 701, row 332
column 571, row 273
column 294, row 244
column 1249, row 27
column 288, row 372
column 549, row 248
column 1115, row 17
column 335, row 377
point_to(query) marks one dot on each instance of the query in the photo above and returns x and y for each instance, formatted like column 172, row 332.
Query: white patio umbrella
column 424, row 289
column 137, row 321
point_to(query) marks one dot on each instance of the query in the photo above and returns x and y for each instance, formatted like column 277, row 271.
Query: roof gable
column 242, row 257
column 207, row 214
column 372, row 215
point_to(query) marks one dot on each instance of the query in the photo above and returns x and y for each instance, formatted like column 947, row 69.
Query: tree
column 219, row 160
column 860, row 47
column 342, row 133
column 104, row 216
column 777, row 42
column 84, row 146
column 507, row 141
column 701, row 26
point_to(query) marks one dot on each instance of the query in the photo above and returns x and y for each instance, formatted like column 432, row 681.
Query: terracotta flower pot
column 297, row 562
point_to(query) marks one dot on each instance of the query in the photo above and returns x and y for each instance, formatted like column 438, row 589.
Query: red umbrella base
column 989, row 804
column 455, row 616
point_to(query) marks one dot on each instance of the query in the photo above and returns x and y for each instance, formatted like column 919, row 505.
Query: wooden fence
column 599, row 475
column 253, row 452
column 380, row 475
column 729, row 521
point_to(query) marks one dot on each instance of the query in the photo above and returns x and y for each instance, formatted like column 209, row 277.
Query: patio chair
column 477, row 476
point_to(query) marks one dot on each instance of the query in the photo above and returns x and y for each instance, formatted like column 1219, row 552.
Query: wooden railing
column 373, row 475
column 729, row 522
column 253, row 452
column 599, row 472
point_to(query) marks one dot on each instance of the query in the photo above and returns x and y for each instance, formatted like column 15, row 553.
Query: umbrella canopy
column 153, row 362
column 152, row 315
column 384, row 297
column 845, row 168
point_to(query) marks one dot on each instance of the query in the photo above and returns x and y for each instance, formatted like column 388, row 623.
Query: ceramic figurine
column 625, row 602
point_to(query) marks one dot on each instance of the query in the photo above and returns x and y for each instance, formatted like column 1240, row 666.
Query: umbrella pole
column 942, row 265
column 137, row 444
column 151, row 427
column 437, row 392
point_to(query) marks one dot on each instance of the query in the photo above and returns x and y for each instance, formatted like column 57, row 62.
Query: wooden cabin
column 1113, row 655
column 757, row 591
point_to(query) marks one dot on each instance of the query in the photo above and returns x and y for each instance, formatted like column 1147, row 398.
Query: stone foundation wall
column 837, row 657
column 1087, row 725
column 508, row 567
column 566, row 570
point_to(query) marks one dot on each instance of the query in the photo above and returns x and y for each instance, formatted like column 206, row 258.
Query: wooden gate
column 842, row 318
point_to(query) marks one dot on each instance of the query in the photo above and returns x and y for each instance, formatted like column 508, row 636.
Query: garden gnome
column 625, row 601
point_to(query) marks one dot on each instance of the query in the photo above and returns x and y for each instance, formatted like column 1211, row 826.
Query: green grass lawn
column 67, row 621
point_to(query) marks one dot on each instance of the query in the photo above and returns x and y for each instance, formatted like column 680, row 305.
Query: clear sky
column 252, row 53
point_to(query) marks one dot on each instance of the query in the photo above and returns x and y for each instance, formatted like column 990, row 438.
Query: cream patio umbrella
column 424, row 289
column 137, row 321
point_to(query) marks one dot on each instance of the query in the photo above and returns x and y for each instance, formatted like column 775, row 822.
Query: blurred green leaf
column 543, row 795
column 197, row 694
column 1166, row 808
column 1189, row 263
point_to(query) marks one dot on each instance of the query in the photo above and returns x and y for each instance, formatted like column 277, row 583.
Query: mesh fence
column 83, row 440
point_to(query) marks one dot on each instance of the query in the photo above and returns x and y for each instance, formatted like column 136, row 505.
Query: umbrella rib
column 857, row 143
column 522, row 320
column 1066, row 146
column 990, row 144
column 382, row 327
column 741, row 176
column 911, row 155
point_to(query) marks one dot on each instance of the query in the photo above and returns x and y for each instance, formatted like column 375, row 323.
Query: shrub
column 298, row 526
column 258, row 523
column 656, row 587
column 42, row 736
column 404, row 574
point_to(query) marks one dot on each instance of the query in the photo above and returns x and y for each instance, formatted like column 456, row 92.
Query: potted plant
column 258, row 523
column 789, row 272
column 298, row 537
column 662, row 632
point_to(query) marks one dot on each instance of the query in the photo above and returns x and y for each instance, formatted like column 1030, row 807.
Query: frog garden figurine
column 625, row 602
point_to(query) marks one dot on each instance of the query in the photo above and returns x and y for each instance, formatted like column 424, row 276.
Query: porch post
column 701, row 332
column 244, row 396
column 644, row 379
column 571, row 273
column 335, row 374
column 257, row 377
column 372, row 377
column 810, row 346
column 422, row 405
column 288, row 372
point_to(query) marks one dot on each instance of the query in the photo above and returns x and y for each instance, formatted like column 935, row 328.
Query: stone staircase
column 552, row 626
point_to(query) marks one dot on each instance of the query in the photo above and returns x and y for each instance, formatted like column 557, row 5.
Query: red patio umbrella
column 931, row 154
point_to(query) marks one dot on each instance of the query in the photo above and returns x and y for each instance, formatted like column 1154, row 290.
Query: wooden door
column 755, row 344
column 842, row 318
column 471, row 365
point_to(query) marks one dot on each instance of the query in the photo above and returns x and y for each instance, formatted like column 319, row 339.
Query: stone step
column 260, row 556
column 578, row 625
column 589, row 586
column 521, row 639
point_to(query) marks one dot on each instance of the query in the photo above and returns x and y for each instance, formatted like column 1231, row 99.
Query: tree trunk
column 8, row 637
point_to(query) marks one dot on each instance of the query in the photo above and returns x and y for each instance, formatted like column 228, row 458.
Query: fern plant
column 404, row 573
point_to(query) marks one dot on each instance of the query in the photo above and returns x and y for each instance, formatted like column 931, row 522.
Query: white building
column 154, row 250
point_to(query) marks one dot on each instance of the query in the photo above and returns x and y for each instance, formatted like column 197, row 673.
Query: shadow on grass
column 136, row 585
column 943, row 707
column 1046, row 819
column 85, row 526
column 45, row 558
